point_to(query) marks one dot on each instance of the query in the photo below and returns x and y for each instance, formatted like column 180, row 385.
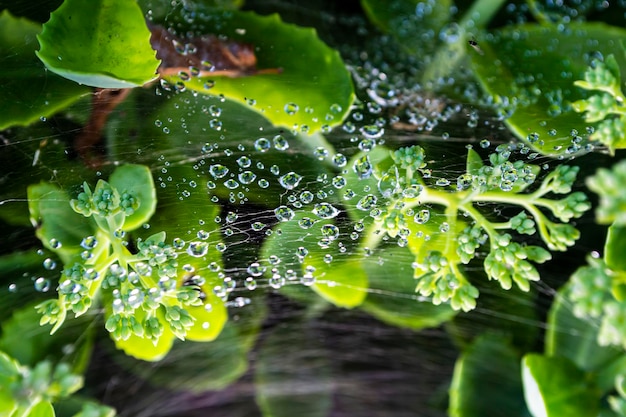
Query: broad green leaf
column 28, row 92
column 221, row 361
column 411, row 22
column 293, row 381
column 615, row 248
column 222, row 139
column 487, row 380
column 575, row 339
column 342, row 280
column 7, row 402
column 55, row 221
column 42, row 409
column 29, row 343
column 100, row 43
column 9, row 367
column 312, row 88
column 393, row 299
column 555, row 387
column 137, row 180
column 531, row 69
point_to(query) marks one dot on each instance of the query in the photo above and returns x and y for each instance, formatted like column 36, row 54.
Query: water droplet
column 367, row 203
column 330, row 231
column 485, row 144
column 49, row 264
column 262, row 145
column 290, row 180
column 55, row 244
column 218, row 171
column 421, row 216
column 231, row 184
column 250, row 283
column 306, row 222
column 284, row 213
column 280, row 143
column 306, row 197
column 291, row 108
column 320, row 153
column 247, row 177
column 372, row 131
column 198, row 249
column 42, row 284
column 363, row 167
column 325, row 211
column 276, row 281
column 340, row 160
column 263, row 183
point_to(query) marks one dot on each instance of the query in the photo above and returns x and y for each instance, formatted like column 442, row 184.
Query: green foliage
column 286, row 97
column 30, row 391
column 114, row 53
column 487, row 380
column 28, row 91
column 554, row 386
column 404, row 207
column 606, row 104
column 144, row 292
column 532, row 87
column 608, row 183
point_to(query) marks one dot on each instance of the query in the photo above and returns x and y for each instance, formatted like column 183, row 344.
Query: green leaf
column 299, row 95
column 42, row 409
column 555, row 387
column 393, row 299
column 614, row 248
column 409, row 21
column 29, row 343
column 487, row 381
column 569, row 337
column 534, row 71
column 28, row 91
column 474, row 162
column 54, row 220
column 100, row 43
column 294, row 381
column 136, row 180
column 339, row 279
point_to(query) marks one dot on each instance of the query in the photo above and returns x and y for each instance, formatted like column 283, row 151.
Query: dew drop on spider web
column 197, row 249
column 284, row 213
column 290, row 180
column 325, row 211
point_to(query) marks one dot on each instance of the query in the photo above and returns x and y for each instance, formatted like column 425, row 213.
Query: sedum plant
column 605, row 105
column 146, row 293
column 411, row 206
column 26, row 391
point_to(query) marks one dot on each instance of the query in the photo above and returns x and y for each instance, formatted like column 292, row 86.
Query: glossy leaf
column 487, row 380
column 535, row 77
column 312, row 87
column 42, row 409
column 393, row 299
column 342, row 281
column 28, row 91
column 615, row 248
column 555, row 387
column 29, row 343
column 296, row 381
column 100, row 43
column 137, row 180
column 411, row 22
column 54, row 220
column 573, row 338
